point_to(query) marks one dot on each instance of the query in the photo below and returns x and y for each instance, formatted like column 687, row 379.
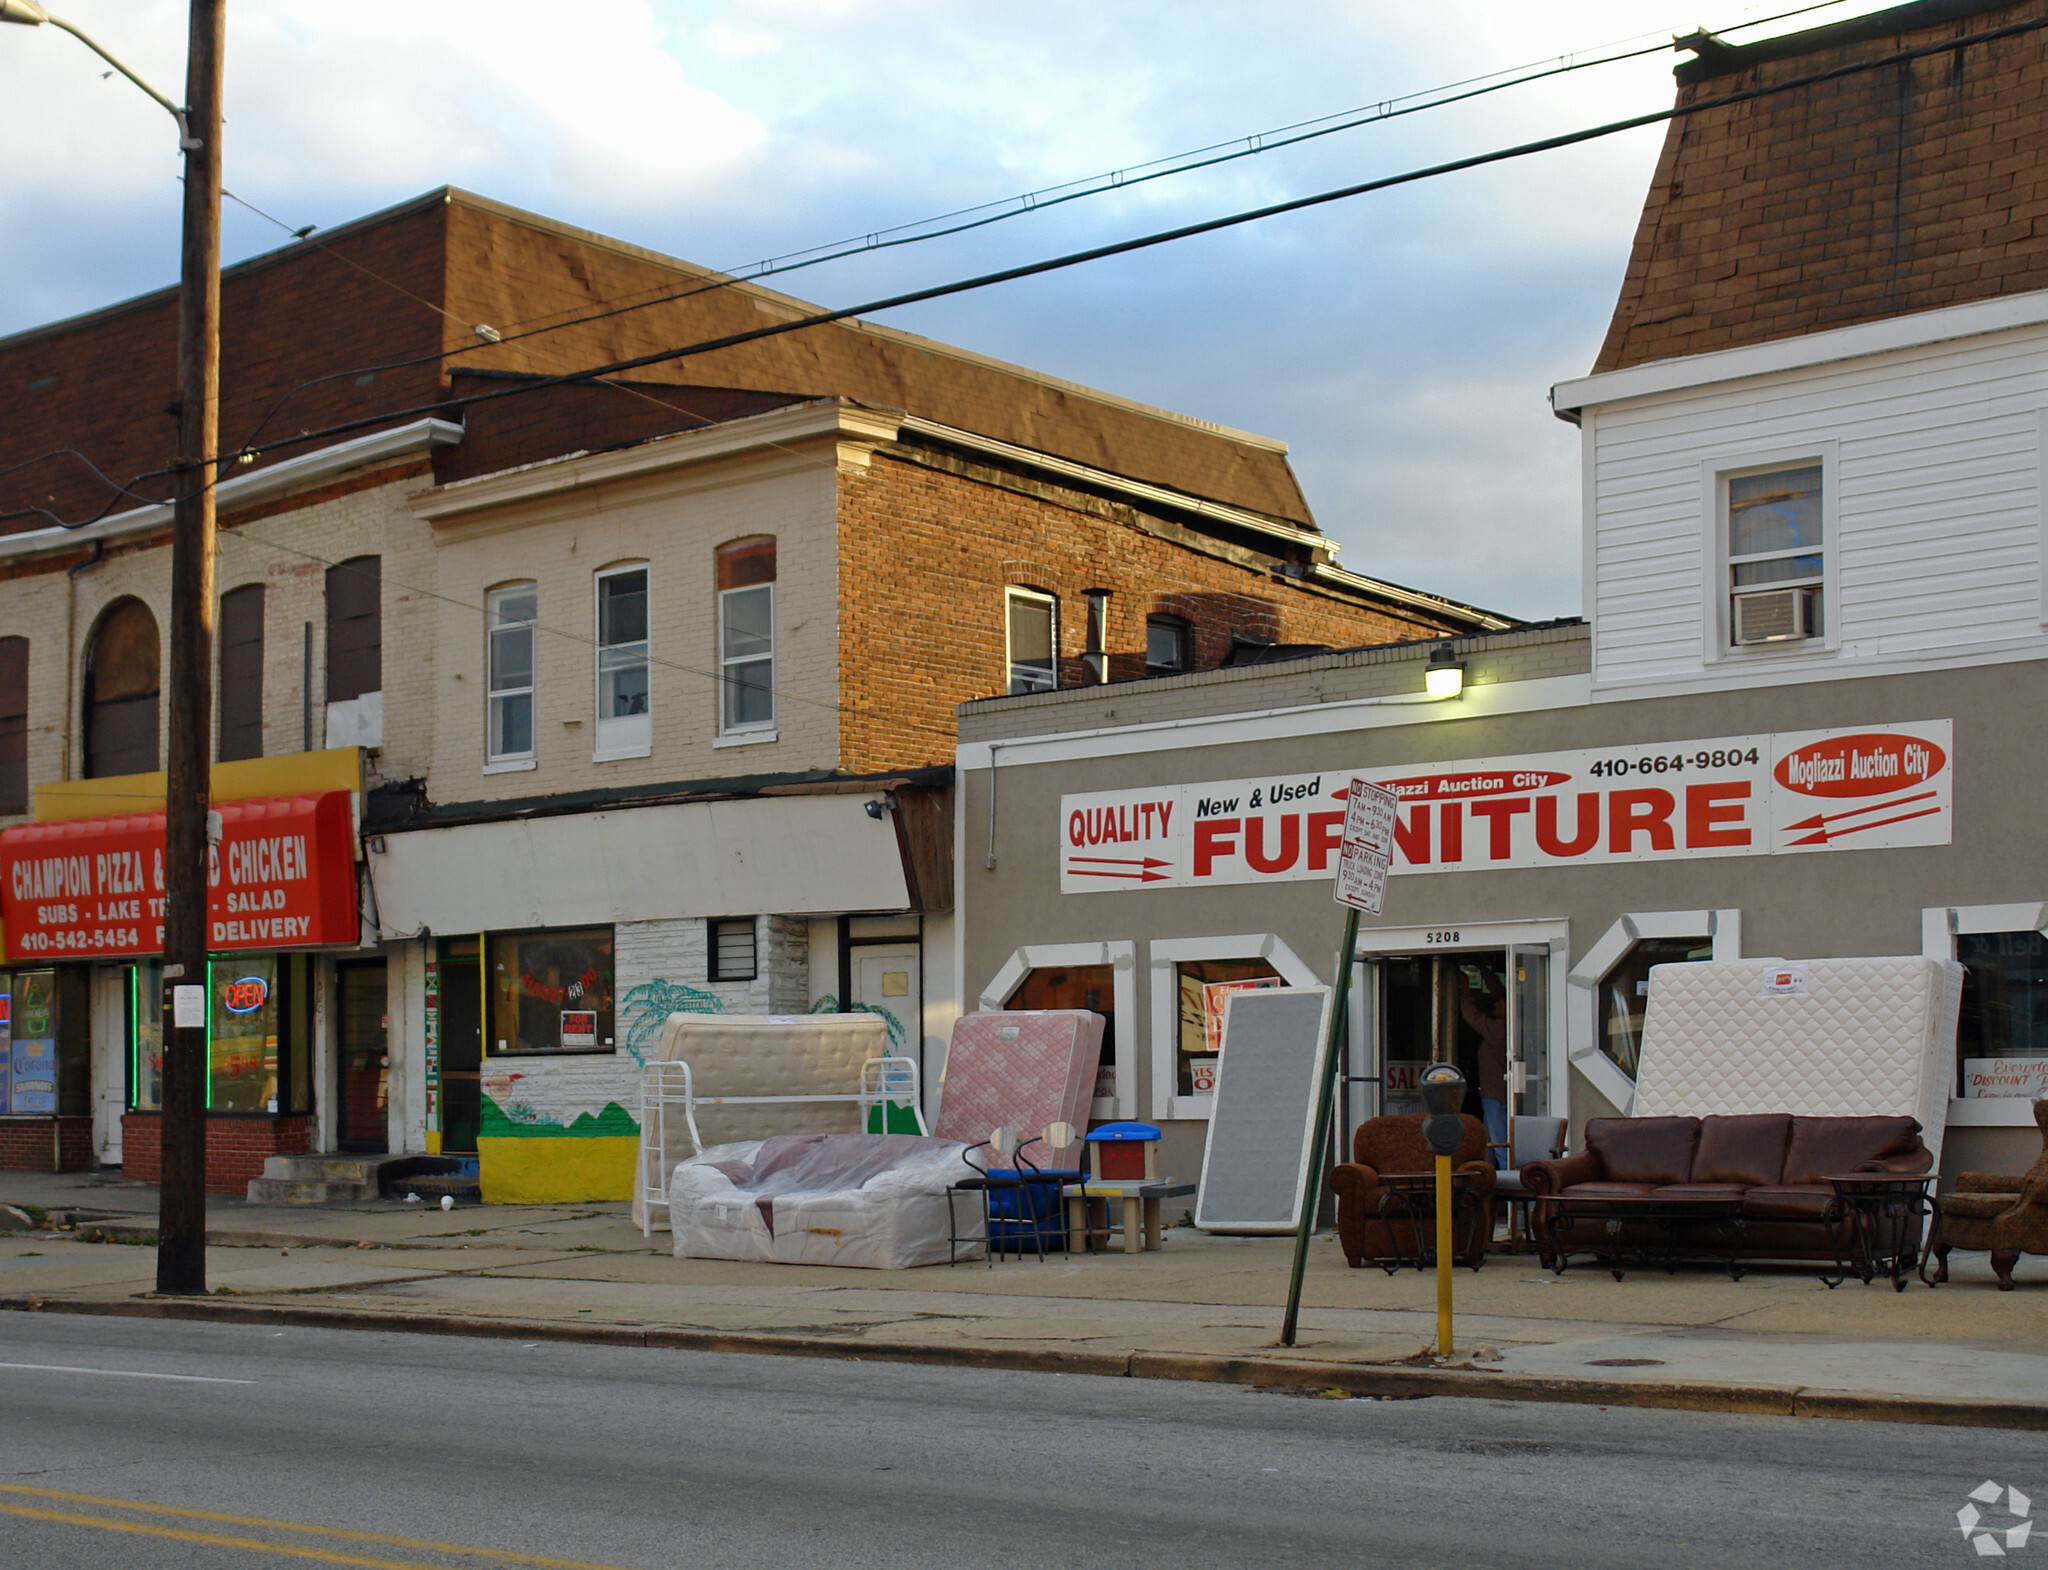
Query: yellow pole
column 1443, row 1256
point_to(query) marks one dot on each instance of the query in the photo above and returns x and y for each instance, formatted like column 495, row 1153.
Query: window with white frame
column 511, row 612
column 746, row 636
column 1775, row 555
column 1033, row 641
column 624, row 722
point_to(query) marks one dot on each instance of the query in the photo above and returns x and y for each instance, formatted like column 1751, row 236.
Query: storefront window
column 146, row 1010
column 1625, row 993
column 551, row 991
column 1203, row 986
column 6, row 1043
column 2002, row 1036
column 242, row 1032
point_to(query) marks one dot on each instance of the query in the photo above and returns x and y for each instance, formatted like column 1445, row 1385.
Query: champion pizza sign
column 1869, row 788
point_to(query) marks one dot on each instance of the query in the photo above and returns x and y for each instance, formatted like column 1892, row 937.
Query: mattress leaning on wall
column 1866, row 1037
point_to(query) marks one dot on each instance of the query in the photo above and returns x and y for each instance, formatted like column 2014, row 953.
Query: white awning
column 773, row 855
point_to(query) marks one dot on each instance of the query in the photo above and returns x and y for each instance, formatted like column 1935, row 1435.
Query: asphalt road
column 306, row 1447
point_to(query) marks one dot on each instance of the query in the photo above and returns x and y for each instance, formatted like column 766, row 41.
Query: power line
column 1122, row 247
column 1251, row 144
column 1181, row 232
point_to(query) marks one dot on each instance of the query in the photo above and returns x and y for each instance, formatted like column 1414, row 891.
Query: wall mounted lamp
column 881, row 806
column 1445, row 677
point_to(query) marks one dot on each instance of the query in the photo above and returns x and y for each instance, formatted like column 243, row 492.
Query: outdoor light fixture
column 1445, row 677
column 881, row 808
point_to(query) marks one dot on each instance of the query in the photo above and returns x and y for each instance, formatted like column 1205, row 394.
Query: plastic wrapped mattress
column 1816, row 1038
column 876, row 1201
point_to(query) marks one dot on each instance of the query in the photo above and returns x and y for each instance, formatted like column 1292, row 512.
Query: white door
column 885, row 980
column 109, row 1060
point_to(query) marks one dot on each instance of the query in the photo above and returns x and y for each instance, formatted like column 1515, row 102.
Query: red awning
column 283, row 876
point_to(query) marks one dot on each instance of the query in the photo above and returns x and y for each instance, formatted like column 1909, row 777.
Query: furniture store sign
column 1871, row 788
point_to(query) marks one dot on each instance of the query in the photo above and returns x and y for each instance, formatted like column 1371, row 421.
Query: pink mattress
column 1022, row 1070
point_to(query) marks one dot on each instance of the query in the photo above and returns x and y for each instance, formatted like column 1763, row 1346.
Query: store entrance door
column 1485, row 1009
column 1443, row 1008
column 462, row 1049
column 365, row 1087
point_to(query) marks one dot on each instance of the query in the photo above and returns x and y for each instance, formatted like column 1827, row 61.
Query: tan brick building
column 644, row 686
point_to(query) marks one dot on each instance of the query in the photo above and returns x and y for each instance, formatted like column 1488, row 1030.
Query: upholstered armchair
column 1394, row 1144
column 1991, row 1210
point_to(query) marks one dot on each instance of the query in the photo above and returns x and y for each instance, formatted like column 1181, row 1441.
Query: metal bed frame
column 670, row 1087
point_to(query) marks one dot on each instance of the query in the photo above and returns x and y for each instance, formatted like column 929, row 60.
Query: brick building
column 641, row 689
column 1813, row 450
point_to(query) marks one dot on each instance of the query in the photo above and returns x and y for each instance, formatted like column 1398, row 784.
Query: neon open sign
column 245, row 995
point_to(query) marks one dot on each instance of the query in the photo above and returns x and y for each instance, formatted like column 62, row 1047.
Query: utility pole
column 181, row 1218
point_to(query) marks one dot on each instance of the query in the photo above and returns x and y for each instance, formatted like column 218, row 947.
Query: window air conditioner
column 1776, row 615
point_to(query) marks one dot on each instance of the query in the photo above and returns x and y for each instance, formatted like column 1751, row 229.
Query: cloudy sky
column 1402, row 342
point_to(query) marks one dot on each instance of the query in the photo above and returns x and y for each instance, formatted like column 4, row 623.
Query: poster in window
column 32, row 1053
column 6, row 1042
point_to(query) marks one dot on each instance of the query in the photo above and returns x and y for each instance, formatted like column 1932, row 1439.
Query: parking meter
column 1443, row 1130
column 1443, row 1093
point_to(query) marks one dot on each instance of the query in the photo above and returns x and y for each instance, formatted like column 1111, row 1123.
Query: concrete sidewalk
column 1203, row 1307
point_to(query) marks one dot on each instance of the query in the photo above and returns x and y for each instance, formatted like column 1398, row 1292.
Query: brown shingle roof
column 413, row 281
column 1888, row 191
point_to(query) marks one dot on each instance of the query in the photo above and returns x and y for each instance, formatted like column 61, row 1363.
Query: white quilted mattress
column 773, row 1055
column 1846, row 1037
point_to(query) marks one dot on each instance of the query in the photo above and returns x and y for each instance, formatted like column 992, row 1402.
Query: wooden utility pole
column 181, row 1222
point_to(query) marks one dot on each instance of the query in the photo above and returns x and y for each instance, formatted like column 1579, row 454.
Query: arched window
column 122, row 665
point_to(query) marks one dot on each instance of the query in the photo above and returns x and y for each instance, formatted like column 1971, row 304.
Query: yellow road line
column 212, row 1539
column 502, row 1555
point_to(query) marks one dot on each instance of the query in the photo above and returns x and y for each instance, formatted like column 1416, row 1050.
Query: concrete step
column 325, row 1167
column 326, row 1178
column 300, row 1191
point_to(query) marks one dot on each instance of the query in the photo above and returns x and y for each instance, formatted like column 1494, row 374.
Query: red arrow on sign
column 1123, row 861
column 1146, row 875
column 1823, row 819
column 1822, row 836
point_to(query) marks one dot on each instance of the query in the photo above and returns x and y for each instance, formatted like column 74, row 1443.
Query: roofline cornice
column 290, row 474
column 1803, row 351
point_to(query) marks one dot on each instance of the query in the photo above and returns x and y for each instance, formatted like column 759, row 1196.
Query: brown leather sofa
column 1779, row 1165
column 1394, row 1144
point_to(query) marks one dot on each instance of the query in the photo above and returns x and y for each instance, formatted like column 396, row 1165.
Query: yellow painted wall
column 530, row 1171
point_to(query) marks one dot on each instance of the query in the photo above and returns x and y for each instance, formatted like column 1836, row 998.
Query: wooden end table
column 1140, row 1198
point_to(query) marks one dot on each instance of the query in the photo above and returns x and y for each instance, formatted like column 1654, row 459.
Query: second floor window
column 624, row 724
column 512, row 614
column 241, row 672
column 746, row 636
column 1033, row 628
column 1166, row 645
column 1775, row 559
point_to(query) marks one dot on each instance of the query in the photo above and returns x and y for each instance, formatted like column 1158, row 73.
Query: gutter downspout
column 71, row 646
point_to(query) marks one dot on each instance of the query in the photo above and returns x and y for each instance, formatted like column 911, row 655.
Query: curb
column 1382, row 1382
